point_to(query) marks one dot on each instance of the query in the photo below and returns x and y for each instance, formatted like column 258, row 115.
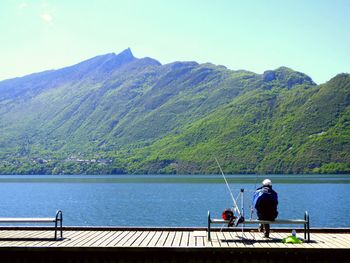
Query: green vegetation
column 117, row 114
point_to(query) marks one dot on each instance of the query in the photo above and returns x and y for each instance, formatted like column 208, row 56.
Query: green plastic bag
column 292, row 240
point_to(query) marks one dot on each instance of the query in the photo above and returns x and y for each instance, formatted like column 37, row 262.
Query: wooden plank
column 200, row 241
column 107, row 235
column 98, row 235
column 144, row 239
column 177, row 239
column 19, row 236
column 332, row 240
column 239, row 236
column 265, row 242
column 120, row 237
column 108, row 239
column 343, row 239
column 124, row 239
column 237, row 239
column 36, row 236
column 247, row 240
column 162, row 239
column 132, row 239
column 200, row 233
column 154, row 240
column 7, row 233
column 68, row 237
column 209, row 243
column 83, row 238
column 200, row 237
column 170, row 239
column 219, row 238
column 184, row 239
column 321, row 242
column 139, row 240
column 191, row 240
column 256, row 238
column 86, row 238
column 346, row 238
column 215, row 242
column 47, row 235
column 149, row 238
column 222, row 239
column 25, row 234
column 77, row 239
column 46, row 243
column 231, row 241
column 50, row 239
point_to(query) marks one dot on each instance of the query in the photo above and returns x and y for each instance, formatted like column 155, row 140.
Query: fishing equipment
column 235, row 206
column 240, row 218
column 228, row 216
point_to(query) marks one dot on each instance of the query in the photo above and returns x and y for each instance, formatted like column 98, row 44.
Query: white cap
column 267, row 182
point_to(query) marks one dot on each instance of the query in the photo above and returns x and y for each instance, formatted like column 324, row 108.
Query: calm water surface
column 168, row 200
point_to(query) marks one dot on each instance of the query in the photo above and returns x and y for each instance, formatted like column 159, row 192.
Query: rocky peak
column 287, row 77
column 126, row 55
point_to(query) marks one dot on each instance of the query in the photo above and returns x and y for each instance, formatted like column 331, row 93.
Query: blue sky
column 307, row 35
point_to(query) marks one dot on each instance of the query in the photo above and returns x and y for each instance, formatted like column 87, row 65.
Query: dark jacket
column 265, row 201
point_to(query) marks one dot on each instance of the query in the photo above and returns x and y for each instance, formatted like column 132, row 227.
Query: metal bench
column 57, row 220
column 305, row 222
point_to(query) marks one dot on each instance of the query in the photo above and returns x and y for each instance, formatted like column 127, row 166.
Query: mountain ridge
column 115, row 113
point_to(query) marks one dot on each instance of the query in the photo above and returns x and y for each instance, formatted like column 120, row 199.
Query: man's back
column 265, row 201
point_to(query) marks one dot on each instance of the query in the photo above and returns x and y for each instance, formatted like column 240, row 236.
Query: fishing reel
column 233, row 220
column 228, row 215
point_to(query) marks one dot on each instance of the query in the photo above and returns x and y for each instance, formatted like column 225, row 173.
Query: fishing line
column 228, row 187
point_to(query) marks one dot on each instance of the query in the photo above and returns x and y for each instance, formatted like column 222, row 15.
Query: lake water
column 168, row 200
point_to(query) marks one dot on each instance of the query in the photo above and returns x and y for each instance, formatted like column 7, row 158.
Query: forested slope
column 120, row 114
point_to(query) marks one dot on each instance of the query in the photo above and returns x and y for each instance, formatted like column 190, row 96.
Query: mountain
column 121, row 114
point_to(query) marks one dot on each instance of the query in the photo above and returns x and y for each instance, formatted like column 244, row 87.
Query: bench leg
column 59, row 218
column 307, row 227
column 209, row 222
column 56, row 230
column 61, row 227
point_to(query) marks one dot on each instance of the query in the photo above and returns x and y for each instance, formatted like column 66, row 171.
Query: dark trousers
column 266, row 230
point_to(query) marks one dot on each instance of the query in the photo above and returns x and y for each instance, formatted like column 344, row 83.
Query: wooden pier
column 169, row 245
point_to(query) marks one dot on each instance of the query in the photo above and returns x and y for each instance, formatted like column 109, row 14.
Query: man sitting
column 265, row 201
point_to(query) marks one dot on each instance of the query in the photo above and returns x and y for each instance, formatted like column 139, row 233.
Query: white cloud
column 46, row 17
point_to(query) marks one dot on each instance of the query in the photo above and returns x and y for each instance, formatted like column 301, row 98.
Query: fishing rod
column 252, row 205
column 229, row 189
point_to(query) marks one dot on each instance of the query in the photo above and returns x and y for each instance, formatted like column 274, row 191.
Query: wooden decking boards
column 166, row 238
